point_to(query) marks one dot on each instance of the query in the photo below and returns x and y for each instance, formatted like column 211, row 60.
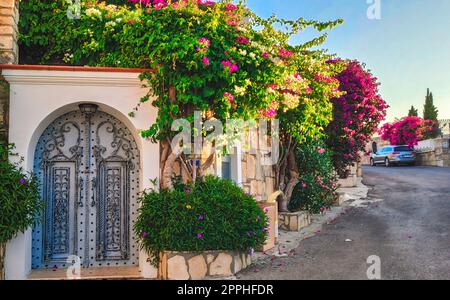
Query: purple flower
column 145, row 235
column 188, row 191
column 201, row 217
column 22, row 181
column 248, row 234
column 199, row 236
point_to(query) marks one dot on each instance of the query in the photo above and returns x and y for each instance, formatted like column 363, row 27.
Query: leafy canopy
column 217, row 58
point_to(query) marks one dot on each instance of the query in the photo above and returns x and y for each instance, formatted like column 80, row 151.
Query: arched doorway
column 87, row 162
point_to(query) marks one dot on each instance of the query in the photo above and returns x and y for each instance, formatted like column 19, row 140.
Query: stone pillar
column 9, row 53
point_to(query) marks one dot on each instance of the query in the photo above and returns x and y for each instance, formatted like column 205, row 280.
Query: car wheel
column 372, row 163
column 387, row 162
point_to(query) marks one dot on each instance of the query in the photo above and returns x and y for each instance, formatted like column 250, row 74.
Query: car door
column 376, row 156
column 380, row 155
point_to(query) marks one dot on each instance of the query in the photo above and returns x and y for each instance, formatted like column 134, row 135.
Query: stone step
column 119, row 273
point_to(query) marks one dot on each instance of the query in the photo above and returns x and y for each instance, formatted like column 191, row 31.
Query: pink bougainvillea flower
column 232, row 67
column 265, row 55
column 230, row 7
column 285, row 53
column 204, row 42
column 242, row 40
column 232, row 22
column 320, row 150
column 159, row 4
column 205, row 60
column 205, row 2
column 143, row 2
column 229, row 96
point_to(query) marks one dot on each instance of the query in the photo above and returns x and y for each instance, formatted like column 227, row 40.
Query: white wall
column 40, row 96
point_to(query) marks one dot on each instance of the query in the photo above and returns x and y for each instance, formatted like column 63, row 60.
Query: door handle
column 94, row 191
column 80, row 196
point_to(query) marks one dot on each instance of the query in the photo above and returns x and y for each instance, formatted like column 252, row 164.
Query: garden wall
column 9, row 53
column 434, row 153
column 247, row 171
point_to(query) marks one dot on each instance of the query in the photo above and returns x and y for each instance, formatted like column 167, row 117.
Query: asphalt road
column 408, row 231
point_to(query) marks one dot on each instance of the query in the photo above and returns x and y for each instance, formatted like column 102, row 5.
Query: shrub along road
column 409, row 231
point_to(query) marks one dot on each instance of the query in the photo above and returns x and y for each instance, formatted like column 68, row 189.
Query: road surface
column 408, row 231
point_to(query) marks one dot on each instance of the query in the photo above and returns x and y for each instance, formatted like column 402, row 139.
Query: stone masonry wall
column 9, row 52
column 439, row 157
column 258, row 180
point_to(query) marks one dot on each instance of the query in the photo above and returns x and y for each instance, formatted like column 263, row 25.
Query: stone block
column 7, row 19
column 260, row 188
column 221, row 266
column 294, row 221
column 349, row 182
column 6, row 29
column 177, row 268
column 197, row 267
column 8, row 3
column 270, row 186
column 251, row 167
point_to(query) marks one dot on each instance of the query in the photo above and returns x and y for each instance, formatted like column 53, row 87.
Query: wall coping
column 71, row 75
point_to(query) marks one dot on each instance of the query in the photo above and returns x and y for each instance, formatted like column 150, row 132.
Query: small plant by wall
column 316, row 190
column 19, row 201
column 210, row 215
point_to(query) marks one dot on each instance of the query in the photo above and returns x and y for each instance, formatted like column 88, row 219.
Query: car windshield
column 403, row 149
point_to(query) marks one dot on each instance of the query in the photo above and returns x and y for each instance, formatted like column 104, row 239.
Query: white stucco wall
column 40, row 96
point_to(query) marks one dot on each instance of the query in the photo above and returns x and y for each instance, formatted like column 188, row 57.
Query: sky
column 408, row 48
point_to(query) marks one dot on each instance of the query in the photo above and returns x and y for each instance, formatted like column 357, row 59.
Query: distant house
column 444, row 125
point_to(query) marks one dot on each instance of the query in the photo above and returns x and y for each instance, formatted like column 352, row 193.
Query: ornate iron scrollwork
column 87, row 162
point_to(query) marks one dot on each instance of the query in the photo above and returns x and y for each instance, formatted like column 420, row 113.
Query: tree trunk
column 290, row 168
column 2, row 260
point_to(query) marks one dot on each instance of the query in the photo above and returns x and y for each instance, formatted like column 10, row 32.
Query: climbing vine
column 217, row 58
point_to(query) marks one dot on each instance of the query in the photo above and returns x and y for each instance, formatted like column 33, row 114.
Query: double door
column 87, row 163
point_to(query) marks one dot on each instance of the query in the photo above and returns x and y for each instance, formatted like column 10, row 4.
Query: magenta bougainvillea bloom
column 230, row 66
column 229, row 96
column 408, row 131
column 356, row 115
column 242, row 40
column 230, row 7
column 205, row 60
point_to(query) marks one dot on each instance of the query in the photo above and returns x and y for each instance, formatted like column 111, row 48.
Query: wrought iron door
column 88, row 165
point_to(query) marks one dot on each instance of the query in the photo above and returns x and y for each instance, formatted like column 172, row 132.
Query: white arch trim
column 37, row 97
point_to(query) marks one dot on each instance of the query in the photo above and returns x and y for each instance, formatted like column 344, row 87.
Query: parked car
column 394, row 155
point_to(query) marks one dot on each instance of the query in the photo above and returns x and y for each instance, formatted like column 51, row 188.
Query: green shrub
column 317, row 188
column 214, row 214
column 19, row 200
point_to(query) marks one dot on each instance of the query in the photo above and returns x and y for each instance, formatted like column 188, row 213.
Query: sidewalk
column 289, row 241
